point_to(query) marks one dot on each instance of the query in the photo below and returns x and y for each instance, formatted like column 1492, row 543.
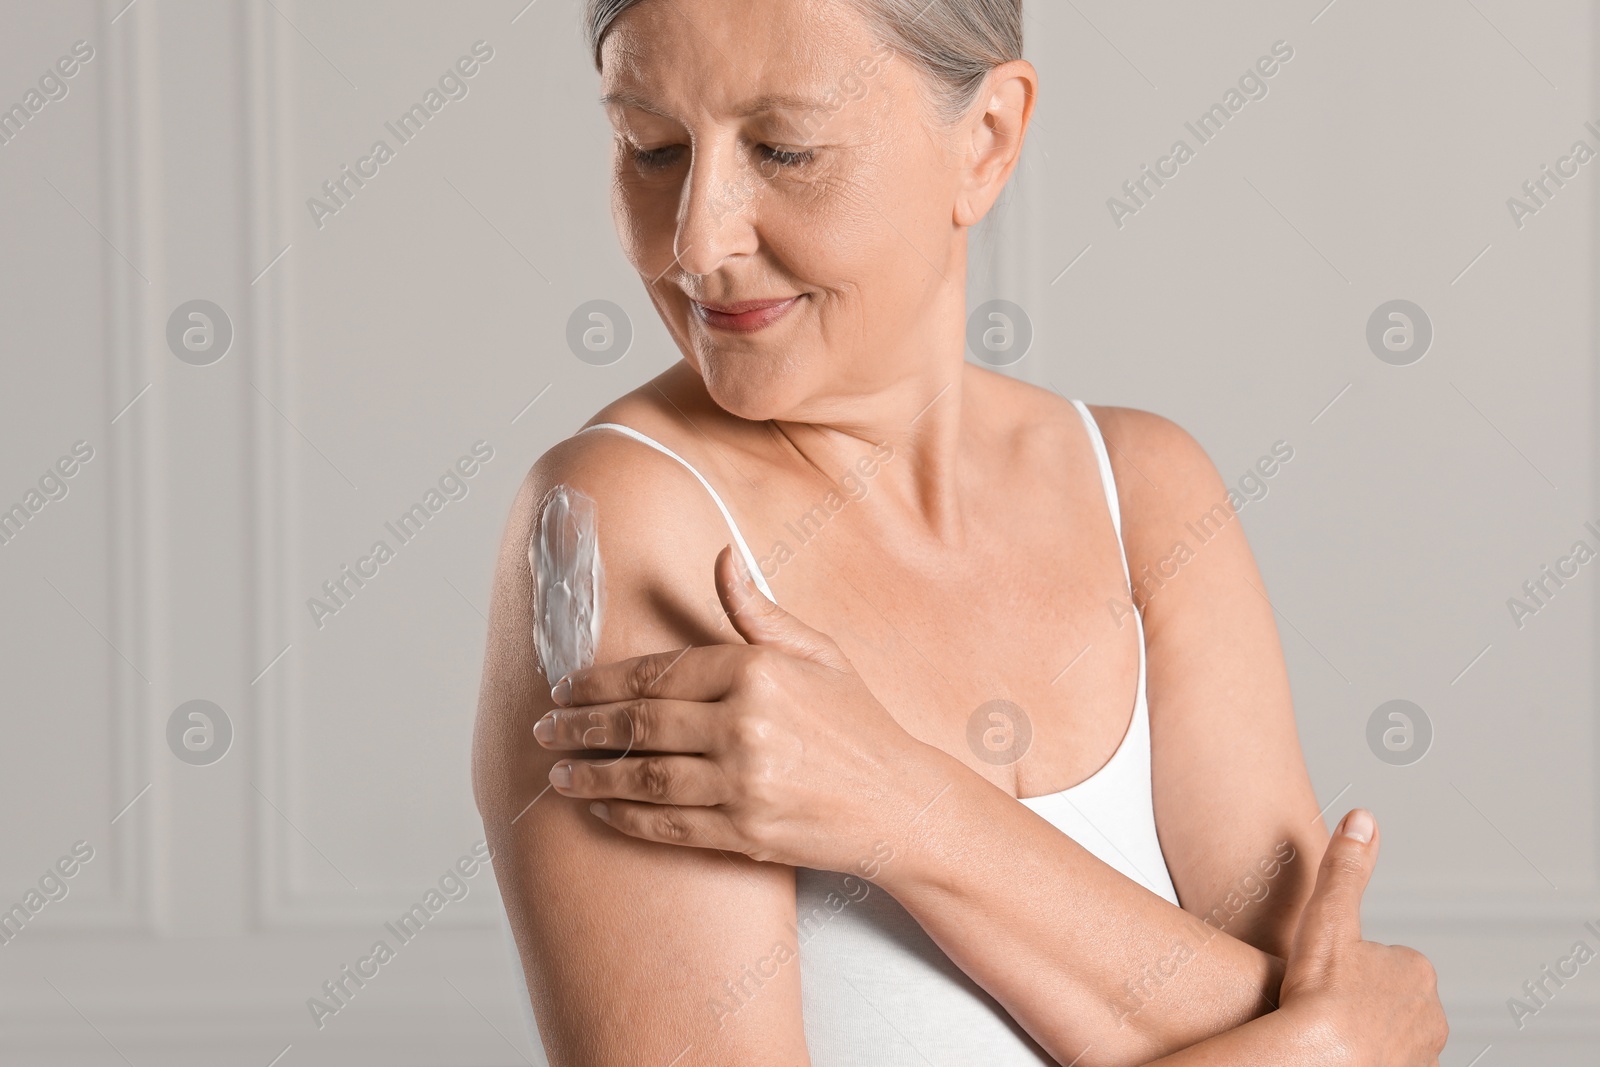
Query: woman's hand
column 1377, row 1004
column 775, row 749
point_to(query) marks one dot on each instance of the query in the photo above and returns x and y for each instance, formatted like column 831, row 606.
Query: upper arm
column 1234, row 805
column 634, row 951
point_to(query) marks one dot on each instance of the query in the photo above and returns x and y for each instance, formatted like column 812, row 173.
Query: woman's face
column 767, row 150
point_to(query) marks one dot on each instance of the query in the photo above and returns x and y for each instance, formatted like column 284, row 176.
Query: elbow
column 1126, row 1046
column 1110, row 1031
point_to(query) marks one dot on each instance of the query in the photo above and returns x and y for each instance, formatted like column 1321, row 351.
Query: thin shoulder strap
column 1108, row 482
column 738, row 538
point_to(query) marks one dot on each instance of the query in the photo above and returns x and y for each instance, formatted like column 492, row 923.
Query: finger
column 667, row 824
column 1332, row 916
column 691, row 673
column 633, row 726
column 762, row 622
column 683, row 780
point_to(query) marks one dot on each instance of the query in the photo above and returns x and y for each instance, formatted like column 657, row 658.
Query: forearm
column 1078, row 954
column 1277, row 1039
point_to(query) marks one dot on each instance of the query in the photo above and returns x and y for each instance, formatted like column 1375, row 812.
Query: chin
column 755, row 394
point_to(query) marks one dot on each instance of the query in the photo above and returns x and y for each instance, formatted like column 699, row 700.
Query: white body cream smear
column 568, row 583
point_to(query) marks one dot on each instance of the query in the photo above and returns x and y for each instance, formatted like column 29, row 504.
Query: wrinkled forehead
column 732, row 58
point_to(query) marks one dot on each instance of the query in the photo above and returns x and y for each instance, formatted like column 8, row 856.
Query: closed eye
column 788, row 159
column 661, row 158
column 655, row 158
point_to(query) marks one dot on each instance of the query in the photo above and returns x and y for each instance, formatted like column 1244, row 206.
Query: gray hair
column 953, row 43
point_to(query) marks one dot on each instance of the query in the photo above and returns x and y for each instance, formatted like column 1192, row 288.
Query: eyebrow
column 762, row 104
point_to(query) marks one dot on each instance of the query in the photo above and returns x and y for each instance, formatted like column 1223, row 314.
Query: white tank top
column 874, row 986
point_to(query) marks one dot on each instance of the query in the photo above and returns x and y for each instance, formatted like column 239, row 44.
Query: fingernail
column 561, row 776
column 562, row 693
column 599, row 809
column 1359, row 825
column 545, row 729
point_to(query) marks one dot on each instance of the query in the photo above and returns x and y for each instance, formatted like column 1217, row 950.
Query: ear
column 995, row 133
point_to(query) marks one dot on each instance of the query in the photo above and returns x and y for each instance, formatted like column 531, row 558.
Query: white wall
column 372, row 352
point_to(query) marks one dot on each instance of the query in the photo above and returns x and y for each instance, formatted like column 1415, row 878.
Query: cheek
column 866, row 248
column 837, row 227
column 639, row 219
column 885, row 221
column 835, row 233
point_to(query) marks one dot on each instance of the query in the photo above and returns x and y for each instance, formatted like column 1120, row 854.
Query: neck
column 924, row 418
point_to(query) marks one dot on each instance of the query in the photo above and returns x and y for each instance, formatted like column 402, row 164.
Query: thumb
column 762, row 622
column 1332, row 917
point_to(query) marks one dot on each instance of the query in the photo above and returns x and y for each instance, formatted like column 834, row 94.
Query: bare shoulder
column 650, row 507
column 1168, row 488
column 654, row 926
column 658, row 533
column 1142, row 444
column 659, row 529
column 1218, row 689
column 1157, row 464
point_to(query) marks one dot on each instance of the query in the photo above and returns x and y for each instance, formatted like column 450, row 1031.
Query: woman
column 929, row 798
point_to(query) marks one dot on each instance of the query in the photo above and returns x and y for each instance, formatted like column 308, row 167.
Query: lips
column 745, row 316
column 745, row 305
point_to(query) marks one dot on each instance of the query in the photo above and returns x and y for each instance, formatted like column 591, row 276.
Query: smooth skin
column 777, row 780
column 979, row 565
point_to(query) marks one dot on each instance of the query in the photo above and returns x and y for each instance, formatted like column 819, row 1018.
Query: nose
column 716, row 218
